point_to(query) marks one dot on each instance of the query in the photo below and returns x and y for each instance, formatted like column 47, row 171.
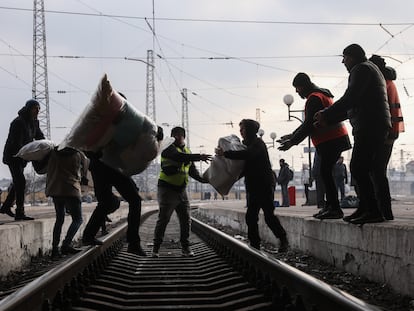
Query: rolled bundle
column 35, row 150
column 223, row 173
column 38, row 152
column 126, row 137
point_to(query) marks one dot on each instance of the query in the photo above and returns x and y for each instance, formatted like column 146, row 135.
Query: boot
column 68, row 249
column 55, row 254
column 187, row 252
column 7, row 211
column 356, row 214
column 22, row 216
column 135, row 248
column 155, row 251
column 284, row 245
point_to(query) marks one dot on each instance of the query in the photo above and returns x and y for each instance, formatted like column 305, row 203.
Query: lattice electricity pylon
column 40, row 89
column 149, row 177
column 150, row 97
column 258, row 115
column 184, row 116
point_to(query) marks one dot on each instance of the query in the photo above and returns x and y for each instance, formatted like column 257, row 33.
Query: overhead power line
column 204, row 20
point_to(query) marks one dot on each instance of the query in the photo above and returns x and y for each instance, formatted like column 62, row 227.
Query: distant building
column 402, row 183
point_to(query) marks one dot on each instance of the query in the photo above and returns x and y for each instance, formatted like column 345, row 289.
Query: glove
column 160, row 133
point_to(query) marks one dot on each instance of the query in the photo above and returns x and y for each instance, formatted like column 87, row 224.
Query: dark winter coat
column 284, row 175
column 258, row 175
column 22, row 130
column 364, row 102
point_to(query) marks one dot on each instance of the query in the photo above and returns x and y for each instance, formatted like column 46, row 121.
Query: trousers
column 17, row 190
column 171, row 200
column 367, row 168
column 73, row 205
column 257, row 201
column 104, row 178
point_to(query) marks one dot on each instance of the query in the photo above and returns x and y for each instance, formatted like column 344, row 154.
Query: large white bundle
column 95, row 126
column 35, row 150
column 110, row 123
column 223, row 173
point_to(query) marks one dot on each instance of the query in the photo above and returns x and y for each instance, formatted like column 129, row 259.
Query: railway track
column 224, row 274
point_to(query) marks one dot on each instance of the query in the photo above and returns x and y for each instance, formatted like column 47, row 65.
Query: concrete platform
column 382, row 252
column 22, row 240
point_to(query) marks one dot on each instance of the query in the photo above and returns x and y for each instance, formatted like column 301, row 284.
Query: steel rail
column 287, row 287
column 76, row 272
column 286, row 284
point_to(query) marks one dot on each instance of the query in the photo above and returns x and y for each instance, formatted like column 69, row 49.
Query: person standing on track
column 177, row 163
column 66, row 169
column 260, row 183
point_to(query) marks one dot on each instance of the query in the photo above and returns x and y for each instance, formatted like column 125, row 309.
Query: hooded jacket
column 22, row 130
column 258, row 175
column 65, row 169
column 314, row 104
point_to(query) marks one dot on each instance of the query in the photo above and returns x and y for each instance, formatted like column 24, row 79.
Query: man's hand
column 285, row 145
column 205, row 157
column 219, row 151
column 160, row 133
column 284, row 138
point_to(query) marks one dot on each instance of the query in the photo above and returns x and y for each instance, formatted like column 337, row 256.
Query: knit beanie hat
column 355, row 51
column 31, row 103
column 390, row 73
column 379, row 61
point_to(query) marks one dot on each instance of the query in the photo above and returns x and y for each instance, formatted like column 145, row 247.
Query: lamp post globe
column 288, row 100
column 273, row 135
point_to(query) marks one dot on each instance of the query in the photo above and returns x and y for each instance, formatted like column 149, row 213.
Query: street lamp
column 139, row 60
column 272, row 137
column 201, row 172
column 288, row 100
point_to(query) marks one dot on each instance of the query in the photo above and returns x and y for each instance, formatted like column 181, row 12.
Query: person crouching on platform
column 328, row 141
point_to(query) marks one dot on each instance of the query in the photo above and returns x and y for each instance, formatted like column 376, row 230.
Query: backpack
column 349, row 201
column 290, row 174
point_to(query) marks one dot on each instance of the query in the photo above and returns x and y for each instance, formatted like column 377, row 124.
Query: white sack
column 110, row 123
column 35, row 150
column 223, row 173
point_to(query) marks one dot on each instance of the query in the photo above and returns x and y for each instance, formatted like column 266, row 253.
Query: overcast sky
column 233, row 57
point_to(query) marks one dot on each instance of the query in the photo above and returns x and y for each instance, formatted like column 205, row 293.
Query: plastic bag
column 96, row 125
column 35, row 150
column 223, row 173
column 110, row 123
